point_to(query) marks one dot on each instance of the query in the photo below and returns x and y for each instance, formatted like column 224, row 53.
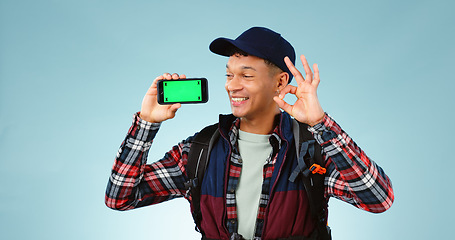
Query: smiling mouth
column 239, row 99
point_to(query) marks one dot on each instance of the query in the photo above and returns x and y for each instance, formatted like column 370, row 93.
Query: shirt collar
column 275, row 138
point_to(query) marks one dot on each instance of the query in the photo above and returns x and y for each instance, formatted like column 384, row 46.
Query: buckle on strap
column 190, row 185
column 306, row 148
column 316, row 168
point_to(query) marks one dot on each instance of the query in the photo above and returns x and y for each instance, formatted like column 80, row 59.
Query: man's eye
column 229, row 75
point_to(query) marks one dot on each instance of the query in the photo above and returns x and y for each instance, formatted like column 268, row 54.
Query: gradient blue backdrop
column 72, row 73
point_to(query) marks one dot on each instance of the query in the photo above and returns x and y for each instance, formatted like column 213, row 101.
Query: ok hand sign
column 307, row 108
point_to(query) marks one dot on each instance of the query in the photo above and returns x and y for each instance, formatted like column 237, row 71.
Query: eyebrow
column 244, row 68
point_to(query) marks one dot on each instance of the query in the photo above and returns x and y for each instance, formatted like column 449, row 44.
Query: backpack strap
column 198, row 158
column 309, row 154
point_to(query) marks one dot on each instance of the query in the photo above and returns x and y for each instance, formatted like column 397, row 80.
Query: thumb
column 283, row 104
column 172, row 110
column 175, row 107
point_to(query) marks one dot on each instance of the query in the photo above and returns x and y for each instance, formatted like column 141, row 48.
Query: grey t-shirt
column 254, row 150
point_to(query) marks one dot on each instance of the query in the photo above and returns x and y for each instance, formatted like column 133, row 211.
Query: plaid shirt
column 351, row 175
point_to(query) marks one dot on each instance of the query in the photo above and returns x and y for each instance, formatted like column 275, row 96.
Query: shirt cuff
column 143, row 130
column 323, row 131
column 144, row 124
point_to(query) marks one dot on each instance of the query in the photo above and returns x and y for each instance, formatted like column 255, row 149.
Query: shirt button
column 240, row 161
column 138, row 127
column 231, row 191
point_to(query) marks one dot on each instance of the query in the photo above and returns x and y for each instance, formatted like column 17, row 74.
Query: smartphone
column 189, row 90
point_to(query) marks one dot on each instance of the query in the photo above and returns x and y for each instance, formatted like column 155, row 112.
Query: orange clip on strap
column 315, row 168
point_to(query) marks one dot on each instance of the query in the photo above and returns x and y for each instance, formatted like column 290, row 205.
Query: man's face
column 251, row 86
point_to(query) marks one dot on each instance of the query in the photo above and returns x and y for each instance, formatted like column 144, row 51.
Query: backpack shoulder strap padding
column 198, row 157
column 309, row 152
column 199, row 149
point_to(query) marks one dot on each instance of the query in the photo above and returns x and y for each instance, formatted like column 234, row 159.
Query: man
column 245, row 192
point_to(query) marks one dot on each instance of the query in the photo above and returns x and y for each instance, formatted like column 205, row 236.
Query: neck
column 263, row 125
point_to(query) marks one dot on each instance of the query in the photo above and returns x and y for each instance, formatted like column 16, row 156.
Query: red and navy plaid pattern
column 351, row 175
column 133, row 183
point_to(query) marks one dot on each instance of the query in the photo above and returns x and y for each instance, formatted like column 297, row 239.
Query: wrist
column 317, row 121
column 146, row 118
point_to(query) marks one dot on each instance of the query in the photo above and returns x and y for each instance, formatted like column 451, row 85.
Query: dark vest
column 287, row 213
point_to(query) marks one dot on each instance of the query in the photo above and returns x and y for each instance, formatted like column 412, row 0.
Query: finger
column 175, row 107
column 298, row 76
column 316, row 79
column 156, row 80
column 306, row 67
column 182, row 76
column 159, row 78
column 283, row 104
column 152, row 89
column 175, row 76
column 288, row 89
column 167, row 76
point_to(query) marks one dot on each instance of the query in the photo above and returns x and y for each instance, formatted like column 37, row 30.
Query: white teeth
column 239, row 99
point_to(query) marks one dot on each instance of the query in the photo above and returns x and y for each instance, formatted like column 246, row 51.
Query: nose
column 234, row 84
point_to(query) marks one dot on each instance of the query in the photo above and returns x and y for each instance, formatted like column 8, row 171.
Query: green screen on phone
column 182, row 91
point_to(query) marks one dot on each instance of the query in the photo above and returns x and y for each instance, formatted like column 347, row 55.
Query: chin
column 237, row 113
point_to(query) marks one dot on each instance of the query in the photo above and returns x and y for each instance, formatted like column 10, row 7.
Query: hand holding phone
column 151, row 110
column 184, row 91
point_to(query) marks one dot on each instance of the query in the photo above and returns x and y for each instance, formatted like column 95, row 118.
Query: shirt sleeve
column 351, row 175
column 133, row 183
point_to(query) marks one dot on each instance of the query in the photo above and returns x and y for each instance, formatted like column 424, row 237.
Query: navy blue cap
column 260, row 42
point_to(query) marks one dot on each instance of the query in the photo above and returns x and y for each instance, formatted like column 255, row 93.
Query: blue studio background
column 72, row 73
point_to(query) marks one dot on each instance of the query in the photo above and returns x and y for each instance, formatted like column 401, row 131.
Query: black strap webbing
column 309, row 152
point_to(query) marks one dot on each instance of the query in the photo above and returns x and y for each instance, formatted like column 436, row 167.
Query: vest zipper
column 273, row 186
column 226, row 176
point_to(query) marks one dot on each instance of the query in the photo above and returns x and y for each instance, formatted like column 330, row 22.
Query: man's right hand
column 153, row 112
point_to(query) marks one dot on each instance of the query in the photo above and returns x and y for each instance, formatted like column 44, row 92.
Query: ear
column 283, row 80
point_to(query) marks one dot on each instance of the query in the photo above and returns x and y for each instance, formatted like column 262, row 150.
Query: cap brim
column 223, row 46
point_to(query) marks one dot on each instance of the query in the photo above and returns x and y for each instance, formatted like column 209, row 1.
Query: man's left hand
column 307, row 108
